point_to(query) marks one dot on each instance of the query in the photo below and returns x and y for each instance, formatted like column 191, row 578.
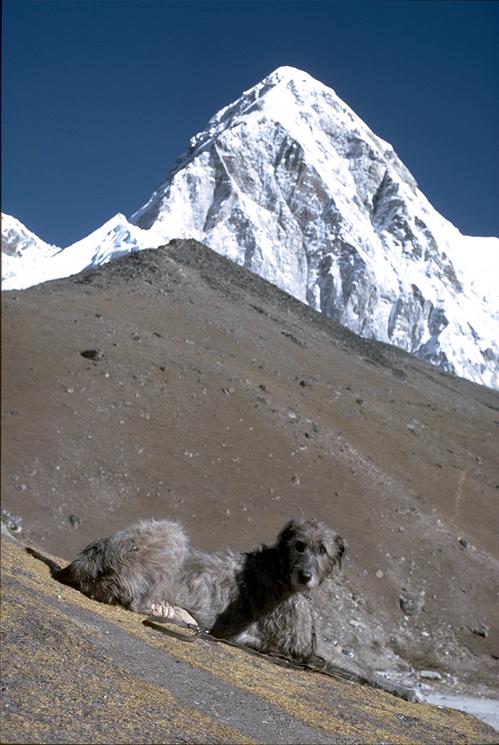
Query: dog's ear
column 287, row 532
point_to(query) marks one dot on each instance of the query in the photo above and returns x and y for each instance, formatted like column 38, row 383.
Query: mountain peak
column 287, row 74
column 290, row 183
column 266, row 95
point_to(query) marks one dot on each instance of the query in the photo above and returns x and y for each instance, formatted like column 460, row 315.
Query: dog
column 261, row 599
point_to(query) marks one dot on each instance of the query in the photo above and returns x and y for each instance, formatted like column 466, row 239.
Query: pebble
column 14, row 523
column 411, row 603
column 429, row 675
column 93, row 354
column 74, row 521
column 481, row 630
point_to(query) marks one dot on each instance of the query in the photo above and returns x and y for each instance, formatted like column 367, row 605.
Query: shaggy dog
column 261, row 599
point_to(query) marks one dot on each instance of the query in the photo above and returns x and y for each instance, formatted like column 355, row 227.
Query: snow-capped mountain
column 30, row 261
column 289, row 182
column 21, row 250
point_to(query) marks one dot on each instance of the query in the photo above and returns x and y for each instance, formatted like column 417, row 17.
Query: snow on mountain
column 39, row 262
column 289, row 182
column 21, row 251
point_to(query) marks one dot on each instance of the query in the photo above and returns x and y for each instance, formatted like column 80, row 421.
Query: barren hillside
column 173, row 383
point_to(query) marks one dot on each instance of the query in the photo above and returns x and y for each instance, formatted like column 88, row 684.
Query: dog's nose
column 305, row 577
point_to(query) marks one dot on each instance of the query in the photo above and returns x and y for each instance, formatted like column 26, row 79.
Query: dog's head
column 312, row 550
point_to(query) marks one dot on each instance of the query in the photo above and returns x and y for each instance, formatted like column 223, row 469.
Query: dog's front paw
column 161, row 610
column 165, row 612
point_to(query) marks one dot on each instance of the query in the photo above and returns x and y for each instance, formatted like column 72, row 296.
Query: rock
column 74, row 521
column 429, row 675
column 411, row 602
column 92, row 354
column 481, row 630
column 293, row 338
column 14, row 523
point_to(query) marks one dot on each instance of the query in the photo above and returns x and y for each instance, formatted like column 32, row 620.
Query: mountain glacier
column 289, row 182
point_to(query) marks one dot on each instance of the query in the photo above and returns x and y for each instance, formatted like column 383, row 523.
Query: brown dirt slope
column 206, row 394
column 77, row 671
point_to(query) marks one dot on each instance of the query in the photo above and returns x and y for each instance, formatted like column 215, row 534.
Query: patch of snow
column 22, row 251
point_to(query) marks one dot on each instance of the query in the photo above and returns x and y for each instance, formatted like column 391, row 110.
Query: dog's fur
column 261, row 599
column 251, row 598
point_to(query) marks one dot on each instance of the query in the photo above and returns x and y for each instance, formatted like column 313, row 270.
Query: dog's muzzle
column 304, row 578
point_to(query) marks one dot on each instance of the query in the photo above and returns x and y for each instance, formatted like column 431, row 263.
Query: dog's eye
column 322, row 549
column 300, row 546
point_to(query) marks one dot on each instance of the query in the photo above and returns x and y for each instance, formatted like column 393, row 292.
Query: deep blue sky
column 101, row 97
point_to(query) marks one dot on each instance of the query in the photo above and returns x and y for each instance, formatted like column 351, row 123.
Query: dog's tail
column 54, row 567
column 67, row 575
